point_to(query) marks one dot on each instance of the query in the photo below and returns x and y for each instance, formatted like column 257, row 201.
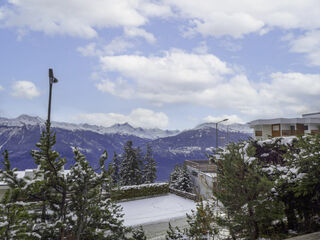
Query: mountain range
column 19, row 136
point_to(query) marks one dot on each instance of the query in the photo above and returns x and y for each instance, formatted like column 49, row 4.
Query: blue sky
column 166, row 63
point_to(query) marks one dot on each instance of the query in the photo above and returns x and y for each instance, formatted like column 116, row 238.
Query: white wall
column 203, row 182
column 266, row 131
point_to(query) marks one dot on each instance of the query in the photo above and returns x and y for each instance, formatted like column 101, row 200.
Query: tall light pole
column 217, row 131
column 52, row 80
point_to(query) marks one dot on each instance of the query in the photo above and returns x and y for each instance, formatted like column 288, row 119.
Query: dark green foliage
column 201, row 222
column 180, row 179
column 138, row 234
column 115, row 169
column 176, row 234
column 201, row 225
column 130, row 168
column 139, row 191
column 150, row 167
column 15, row 222
column 302, row 184
column 245, row 193
column 48, row 188
column 55, row 205
column 92, row 214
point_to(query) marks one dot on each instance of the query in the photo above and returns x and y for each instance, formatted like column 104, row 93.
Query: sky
column 170, row 64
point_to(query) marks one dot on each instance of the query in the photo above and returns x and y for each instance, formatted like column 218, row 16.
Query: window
column 306, row 127
column 292, row 128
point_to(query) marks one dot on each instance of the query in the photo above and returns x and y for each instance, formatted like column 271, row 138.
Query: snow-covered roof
column 156, row 209
column 305, row 120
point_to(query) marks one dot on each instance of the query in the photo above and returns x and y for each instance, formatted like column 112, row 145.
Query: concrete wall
column 203, row 182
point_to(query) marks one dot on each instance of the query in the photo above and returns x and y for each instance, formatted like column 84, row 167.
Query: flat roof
column 284, row 121
column 310, row 114
column 156, row 209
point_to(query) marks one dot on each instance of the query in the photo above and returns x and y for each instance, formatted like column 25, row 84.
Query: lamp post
column 52, row 80
column 217, row 131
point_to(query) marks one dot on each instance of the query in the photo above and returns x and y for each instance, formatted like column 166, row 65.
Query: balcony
column 201, row 165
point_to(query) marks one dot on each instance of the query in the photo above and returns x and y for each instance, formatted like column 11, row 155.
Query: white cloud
column 202, row 48
column 231, row 119
column 24, row 89
column 180, row 77
column 1, row 88
column 309, row 44
column 89, row 50
column 139, row 32
column 166, row 78
column 237, row 18
column 78, row 17
column 139, row 117
column 117, row 45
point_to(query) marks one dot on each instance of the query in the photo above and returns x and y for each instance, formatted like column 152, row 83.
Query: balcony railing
column 201, row 165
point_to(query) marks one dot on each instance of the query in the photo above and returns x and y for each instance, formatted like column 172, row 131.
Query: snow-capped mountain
column 19, row 136
column 125, row 129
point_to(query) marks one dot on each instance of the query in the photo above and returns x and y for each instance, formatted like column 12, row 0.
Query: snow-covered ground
column 156, row 209
column 154, row 214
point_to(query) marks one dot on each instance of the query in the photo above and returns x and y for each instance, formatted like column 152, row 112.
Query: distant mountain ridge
column 19, row 136
column 125, row 128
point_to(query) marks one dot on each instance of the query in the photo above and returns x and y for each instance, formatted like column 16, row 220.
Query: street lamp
column 217, row 131
column 52, row 80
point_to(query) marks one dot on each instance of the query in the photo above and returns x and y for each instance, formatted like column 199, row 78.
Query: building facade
column 282, row 127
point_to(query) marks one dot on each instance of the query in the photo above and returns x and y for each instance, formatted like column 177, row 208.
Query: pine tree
column 245, row 193
column 91, row 214
column 150, row 167
column 115, row 169
column 201, row 225
column 139, row 234
column 201, row 222
column 180, row 179
column 15, row 222
column 48, row 188
column 130, row 168
column 141, row 166
column 300, row 183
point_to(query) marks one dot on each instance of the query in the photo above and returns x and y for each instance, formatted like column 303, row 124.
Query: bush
column 135, row 191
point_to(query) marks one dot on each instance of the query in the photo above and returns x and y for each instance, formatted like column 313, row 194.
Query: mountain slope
column 20, row 135
column 191, row 144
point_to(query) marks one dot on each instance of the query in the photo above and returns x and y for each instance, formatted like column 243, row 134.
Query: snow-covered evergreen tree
column 53, row 205
column 15, row 221
column 91, row 215
column 150, row 166
column 180, row 179
column 245, row 193
column 130, row 167
column 139, row 234
column 298, row 184
column 140, row 159
column 201, row 225
column 48, row 188
column 115, row 168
